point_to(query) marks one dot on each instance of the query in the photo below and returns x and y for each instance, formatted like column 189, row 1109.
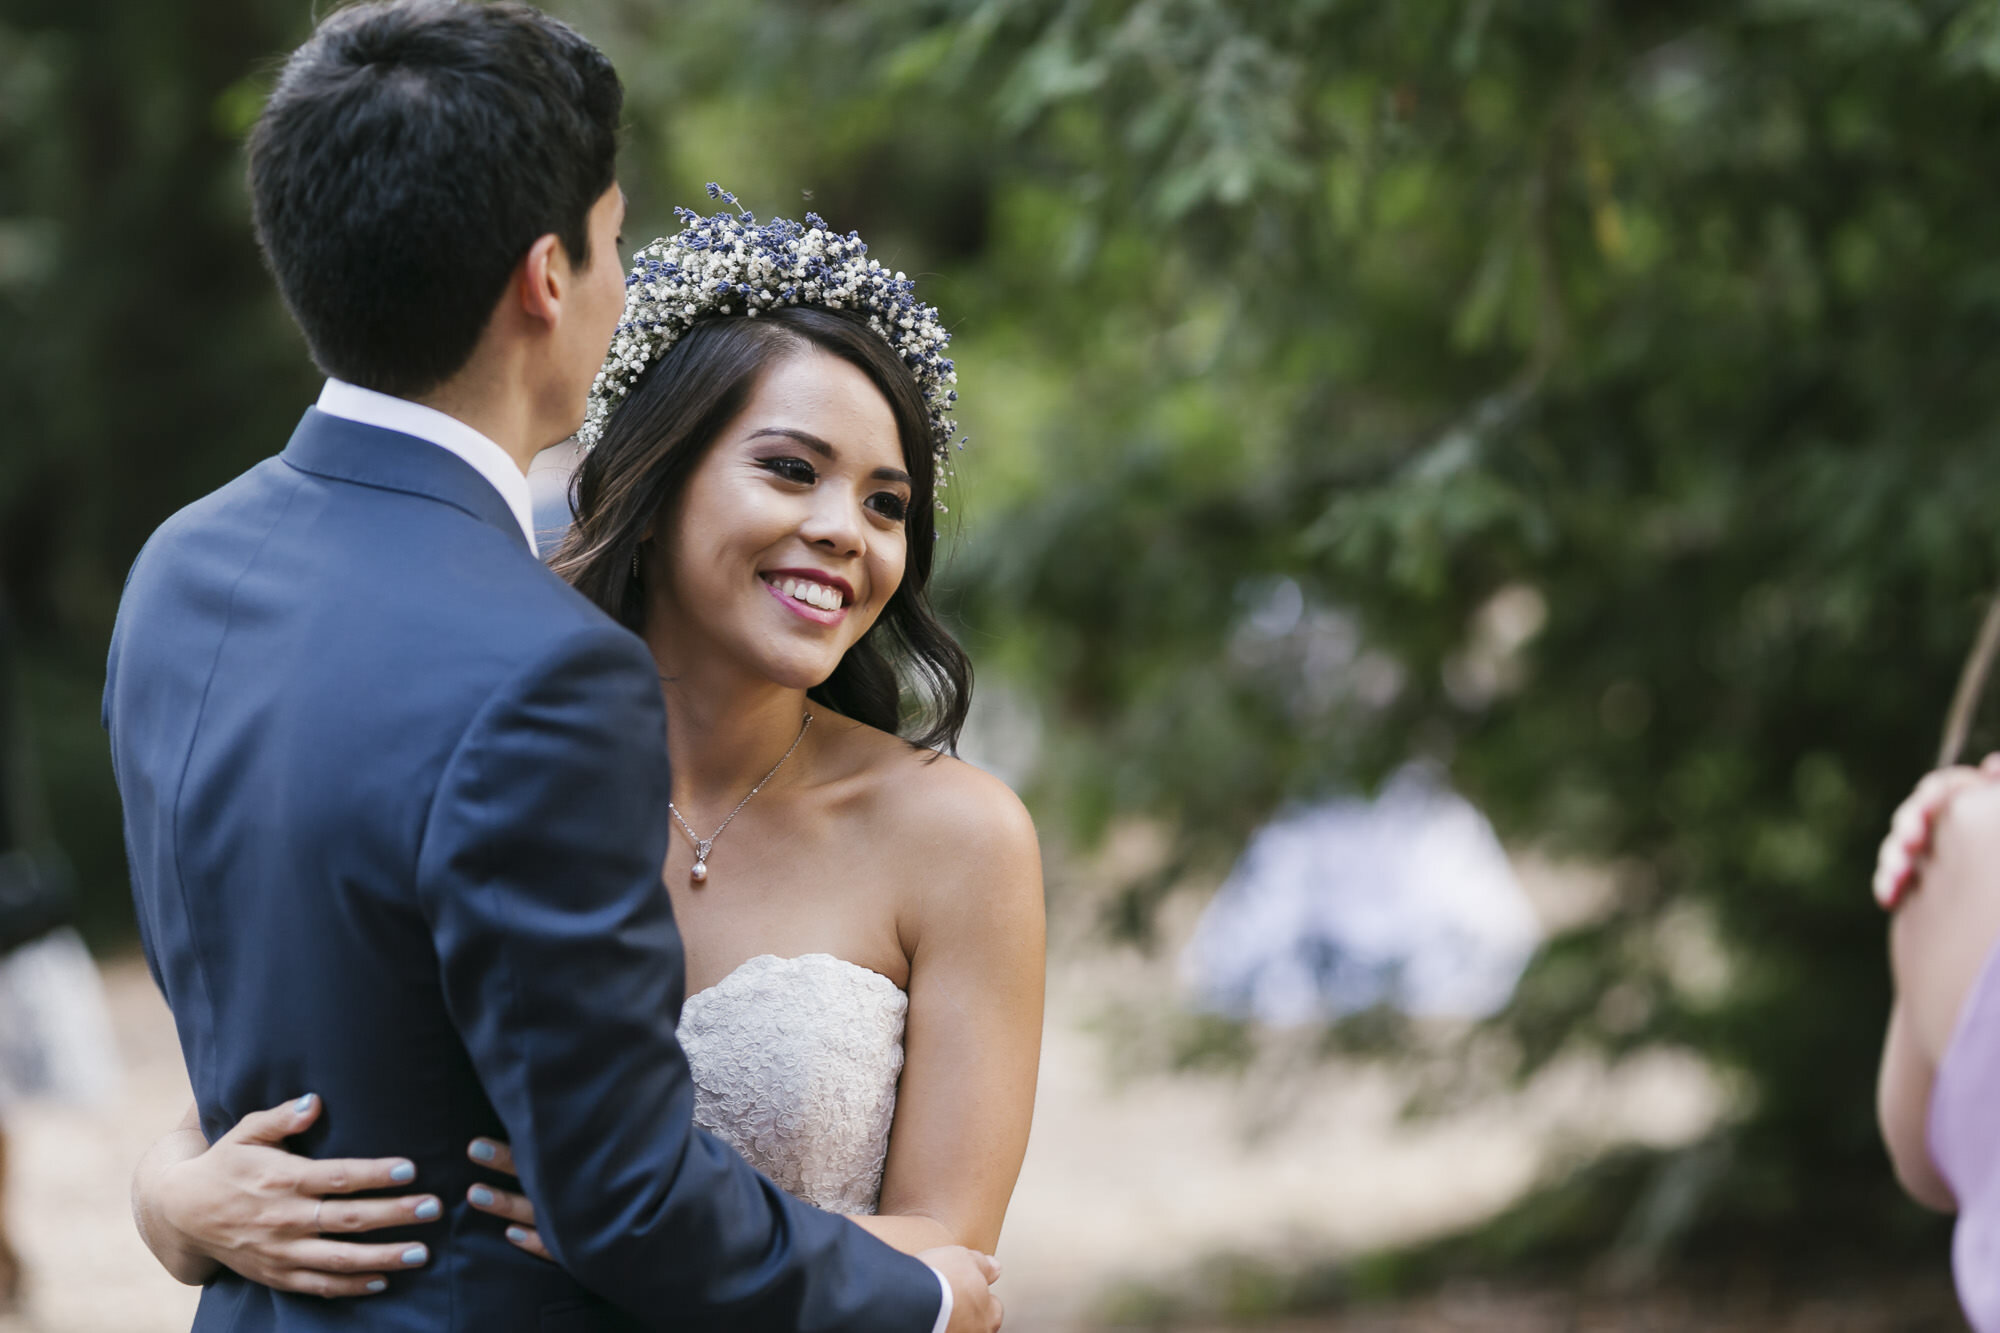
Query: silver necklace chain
column 699, row 872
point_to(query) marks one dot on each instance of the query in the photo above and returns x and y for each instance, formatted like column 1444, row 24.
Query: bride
column 862, row 913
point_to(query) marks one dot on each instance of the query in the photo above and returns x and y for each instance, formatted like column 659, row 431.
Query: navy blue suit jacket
column 395, row 802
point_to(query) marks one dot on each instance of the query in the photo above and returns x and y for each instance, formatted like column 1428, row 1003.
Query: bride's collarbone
column 827, row 869
column 763, row 872
column 839, row 848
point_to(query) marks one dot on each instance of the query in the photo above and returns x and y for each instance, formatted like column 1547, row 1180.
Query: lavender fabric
column 1965, row 1145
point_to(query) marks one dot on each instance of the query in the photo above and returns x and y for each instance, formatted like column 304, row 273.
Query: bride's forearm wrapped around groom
column 609, row 942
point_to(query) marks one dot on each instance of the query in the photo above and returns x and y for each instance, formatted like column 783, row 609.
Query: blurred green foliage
column 1596, row 397
column 143, row 358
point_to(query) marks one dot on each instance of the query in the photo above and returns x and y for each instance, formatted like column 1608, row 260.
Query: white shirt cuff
column 944, row 1313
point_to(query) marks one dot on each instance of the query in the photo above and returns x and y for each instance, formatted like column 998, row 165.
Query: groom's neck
column 499, row 411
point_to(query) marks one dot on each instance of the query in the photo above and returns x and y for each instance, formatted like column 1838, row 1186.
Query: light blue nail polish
column 403, row 1173
column 516, row 1235
column 377, row 1287
column 482, row 1196
column 482, row 1151
column 415, row 1255
column 303, row 1104
column 429, row 1211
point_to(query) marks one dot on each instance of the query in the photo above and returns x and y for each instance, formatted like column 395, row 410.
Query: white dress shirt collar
column 489, row 460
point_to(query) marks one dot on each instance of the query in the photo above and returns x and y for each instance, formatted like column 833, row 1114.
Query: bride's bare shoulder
column 957, row 820
column 925, row 788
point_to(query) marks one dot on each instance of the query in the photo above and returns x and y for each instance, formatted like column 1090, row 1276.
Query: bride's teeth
column 817, row 595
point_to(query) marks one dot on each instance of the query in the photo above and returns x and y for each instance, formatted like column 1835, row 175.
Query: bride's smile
column 805, row 593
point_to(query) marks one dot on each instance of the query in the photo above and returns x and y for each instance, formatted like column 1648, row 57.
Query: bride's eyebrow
column 826, row 451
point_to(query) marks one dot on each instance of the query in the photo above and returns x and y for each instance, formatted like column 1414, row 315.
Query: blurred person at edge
column 1940, row 1076
column 55, row 1036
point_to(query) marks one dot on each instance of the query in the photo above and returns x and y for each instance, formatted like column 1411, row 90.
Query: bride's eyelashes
column 795, row 470
column 799, row 472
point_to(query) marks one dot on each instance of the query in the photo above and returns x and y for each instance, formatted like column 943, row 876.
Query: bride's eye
column 791, row 469
column 890, row 506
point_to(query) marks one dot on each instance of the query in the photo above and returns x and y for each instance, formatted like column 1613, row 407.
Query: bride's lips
column 775, row 579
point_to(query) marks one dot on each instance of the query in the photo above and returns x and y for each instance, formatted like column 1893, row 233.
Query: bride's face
column 789, row 538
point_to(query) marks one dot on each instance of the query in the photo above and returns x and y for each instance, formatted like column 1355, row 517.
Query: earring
column 635, row 566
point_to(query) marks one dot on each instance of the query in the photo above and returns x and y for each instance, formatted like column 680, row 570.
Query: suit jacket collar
column 330, row 446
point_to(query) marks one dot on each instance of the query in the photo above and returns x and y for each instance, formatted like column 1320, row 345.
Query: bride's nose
column 834, row 524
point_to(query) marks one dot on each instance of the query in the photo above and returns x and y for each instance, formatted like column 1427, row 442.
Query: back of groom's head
column 412, row 152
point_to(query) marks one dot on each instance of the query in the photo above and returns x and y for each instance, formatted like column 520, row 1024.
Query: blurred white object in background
column 1003, row 733
column 55, row 1031
column 1407, row 901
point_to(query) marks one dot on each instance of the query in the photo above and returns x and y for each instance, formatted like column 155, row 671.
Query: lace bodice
column 795, row 1065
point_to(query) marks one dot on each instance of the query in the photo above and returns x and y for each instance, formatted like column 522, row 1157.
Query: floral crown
column 716, row 265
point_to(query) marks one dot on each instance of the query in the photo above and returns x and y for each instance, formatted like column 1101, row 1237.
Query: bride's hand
column 1899, row 862
column 265, row 1212
column 496, row 1156
column 971, row 1275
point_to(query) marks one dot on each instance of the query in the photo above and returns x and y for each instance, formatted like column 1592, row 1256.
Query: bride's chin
column 796, row 671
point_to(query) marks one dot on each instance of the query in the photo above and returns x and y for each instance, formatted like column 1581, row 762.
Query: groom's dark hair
column 410, row 154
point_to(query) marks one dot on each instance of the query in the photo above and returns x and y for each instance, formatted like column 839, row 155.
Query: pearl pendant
column 699, row 872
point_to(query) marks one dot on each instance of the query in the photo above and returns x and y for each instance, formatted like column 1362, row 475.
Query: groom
column 395, row 796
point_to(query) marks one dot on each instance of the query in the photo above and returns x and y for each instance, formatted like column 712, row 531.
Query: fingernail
column 303, row 1104
column 377, row 1287
column 403, row 1173
column 482, row 1151
column 482, row 1196
column 415, row 1255
column 429, row 1210
column 518, row 1236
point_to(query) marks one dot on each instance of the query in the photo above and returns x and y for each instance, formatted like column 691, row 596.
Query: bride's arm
column 248, row 1204
column 175, row 1251
column 973, row 1041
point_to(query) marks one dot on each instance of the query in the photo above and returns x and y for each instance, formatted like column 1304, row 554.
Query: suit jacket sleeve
column 540, row 872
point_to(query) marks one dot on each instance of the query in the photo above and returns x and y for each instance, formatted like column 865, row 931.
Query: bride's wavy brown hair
column 907, row 669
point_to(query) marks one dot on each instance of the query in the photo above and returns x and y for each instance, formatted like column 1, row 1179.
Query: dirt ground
column 1133, row 1179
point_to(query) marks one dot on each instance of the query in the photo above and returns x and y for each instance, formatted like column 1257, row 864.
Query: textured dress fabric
column 795, row 1064
column 1965, row 1145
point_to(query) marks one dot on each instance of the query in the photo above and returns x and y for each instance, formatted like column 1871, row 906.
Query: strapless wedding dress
column 795, row 1065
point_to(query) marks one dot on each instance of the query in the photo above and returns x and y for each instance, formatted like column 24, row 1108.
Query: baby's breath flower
column 711, row 261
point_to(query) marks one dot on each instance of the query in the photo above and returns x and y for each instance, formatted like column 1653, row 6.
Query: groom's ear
column 542, row 280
